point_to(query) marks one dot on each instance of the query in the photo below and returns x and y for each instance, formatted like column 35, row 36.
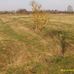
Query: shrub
column 40, row 18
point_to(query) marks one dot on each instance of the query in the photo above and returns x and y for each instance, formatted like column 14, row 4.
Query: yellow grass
column 24, row 51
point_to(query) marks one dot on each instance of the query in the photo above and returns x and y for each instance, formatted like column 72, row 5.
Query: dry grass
column 24, row 51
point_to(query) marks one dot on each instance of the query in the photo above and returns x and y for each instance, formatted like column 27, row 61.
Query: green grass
column 51, row 65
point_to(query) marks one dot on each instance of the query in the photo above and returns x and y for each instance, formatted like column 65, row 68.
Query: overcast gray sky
column 46, row 4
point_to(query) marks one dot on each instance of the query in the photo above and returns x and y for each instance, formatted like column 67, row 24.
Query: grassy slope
column 23, row 51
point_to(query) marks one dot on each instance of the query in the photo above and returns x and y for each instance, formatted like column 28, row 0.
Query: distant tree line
column 30, row 12
column 19, row 11
column 24, row 11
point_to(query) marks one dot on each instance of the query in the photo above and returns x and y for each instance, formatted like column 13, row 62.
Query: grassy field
column 24, row 51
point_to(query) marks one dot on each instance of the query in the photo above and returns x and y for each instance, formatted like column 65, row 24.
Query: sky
column 25, row 4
